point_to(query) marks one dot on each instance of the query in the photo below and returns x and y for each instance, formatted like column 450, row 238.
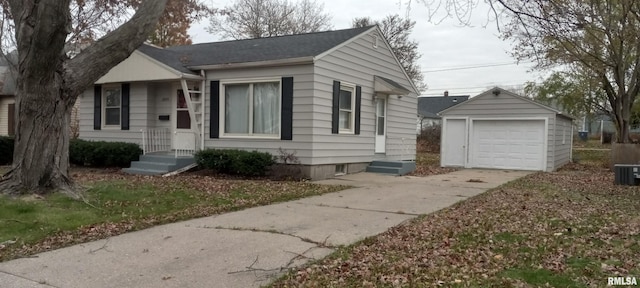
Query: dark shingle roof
column 429, row 107
column 165, row 56
column 250, row 50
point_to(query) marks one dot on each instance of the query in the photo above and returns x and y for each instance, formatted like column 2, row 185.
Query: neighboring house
column 339, row 99
column 8, row 112
column 499, row 129
column 595, row 124
column 429, row 107
column 7, row 101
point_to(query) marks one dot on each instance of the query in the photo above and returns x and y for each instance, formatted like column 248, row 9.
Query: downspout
column 571, row 144
column 204, row 112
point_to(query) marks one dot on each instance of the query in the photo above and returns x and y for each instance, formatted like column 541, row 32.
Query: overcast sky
column 444, row 46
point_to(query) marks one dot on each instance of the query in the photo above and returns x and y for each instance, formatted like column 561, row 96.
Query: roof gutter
column 268, row 63
column 191, row 76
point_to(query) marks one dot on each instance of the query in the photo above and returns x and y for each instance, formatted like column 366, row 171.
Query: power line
column 487, row 86
column 473, row 67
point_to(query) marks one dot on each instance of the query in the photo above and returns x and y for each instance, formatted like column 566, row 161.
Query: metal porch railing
column 155, row 140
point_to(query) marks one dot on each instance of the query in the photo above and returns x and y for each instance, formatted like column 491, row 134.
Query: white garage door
column 508, row 144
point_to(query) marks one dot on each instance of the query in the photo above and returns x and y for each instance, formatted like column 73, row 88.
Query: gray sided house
column 8, row 109
column 429, row 107
column 338, row 99
column 501, row 130
column 7, row 98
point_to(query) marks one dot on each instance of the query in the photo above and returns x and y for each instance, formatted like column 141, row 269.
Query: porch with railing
column 165, row 151
column 159, row 141
column 155, row 140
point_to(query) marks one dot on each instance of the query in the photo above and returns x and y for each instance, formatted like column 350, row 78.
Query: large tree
column 49, row 83
column 173, row 26
column 267, row 18
column 598, row 37
column 571, row 92
column 397, row 31
column 91, row 19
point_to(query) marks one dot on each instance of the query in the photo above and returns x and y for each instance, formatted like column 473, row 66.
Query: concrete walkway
column 249, row 247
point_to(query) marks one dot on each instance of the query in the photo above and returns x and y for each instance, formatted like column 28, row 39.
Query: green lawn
column 591, row 143
column 570, row 228
column 117, row 203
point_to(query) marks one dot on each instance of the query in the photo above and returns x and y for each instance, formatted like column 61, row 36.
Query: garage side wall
column 562, row 144
column 504, row 106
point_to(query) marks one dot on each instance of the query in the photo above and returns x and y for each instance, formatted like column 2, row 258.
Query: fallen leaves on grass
column 214, row 194
column 570, row 228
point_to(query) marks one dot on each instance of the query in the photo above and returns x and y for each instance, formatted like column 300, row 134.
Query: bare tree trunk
column 49, row 84
column 41, row 165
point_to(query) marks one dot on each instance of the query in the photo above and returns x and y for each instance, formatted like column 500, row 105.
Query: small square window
column 341, row 169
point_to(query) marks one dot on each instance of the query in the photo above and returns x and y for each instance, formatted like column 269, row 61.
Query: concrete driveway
column 249, row 247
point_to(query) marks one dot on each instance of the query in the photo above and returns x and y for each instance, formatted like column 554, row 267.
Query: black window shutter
column 335, row 116
column 124, row 108
column 214, row 113
column 286, row 120
column 97, row 107
column 358, row 102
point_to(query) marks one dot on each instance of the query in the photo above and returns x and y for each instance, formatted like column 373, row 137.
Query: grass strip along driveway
column 571, row 228
column 118, row 203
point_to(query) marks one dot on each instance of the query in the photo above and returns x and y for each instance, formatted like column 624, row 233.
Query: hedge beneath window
column 103, row 154
column 235, row 162
column 86, row 153
column 6, row 148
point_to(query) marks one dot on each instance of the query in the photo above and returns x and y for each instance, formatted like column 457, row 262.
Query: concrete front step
column 137, row 171
column 158, row 166
column 392, row 167
column 384, row 170
column 151, row 164
column 168, row 159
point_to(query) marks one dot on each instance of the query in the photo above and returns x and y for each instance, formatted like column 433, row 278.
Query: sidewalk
column 249, row 247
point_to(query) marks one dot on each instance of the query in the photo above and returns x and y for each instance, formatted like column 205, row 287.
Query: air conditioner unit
column 627, row 174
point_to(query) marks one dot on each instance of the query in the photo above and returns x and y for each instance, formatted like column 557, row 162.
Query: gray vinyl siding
column 4, row 113
column 357, row 63
column 503, row 106
column 160, row 102
column 562, row 148
column 302, row 111
column 138, row 116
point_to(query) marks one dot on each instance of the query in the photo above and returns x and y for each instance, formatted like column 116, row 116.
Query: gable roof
column 166, row 57
column 429, row 107
column 501, row 91
column 386, row 85
column 250, row 50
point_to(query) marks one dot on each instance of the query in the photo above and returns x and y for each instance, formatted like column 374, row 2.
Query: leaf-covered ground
column 117, row 203
column 429, row 164
column 571, row 228
column 590, row 144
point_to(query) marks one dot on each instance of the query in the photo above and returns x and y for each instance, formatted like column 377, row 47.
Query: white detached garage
column 502, row 130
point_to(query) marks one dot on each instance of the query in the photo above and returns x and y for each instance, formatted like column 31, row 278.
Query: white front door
column 381, row 125
column 184, row 137
column 454, row 142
